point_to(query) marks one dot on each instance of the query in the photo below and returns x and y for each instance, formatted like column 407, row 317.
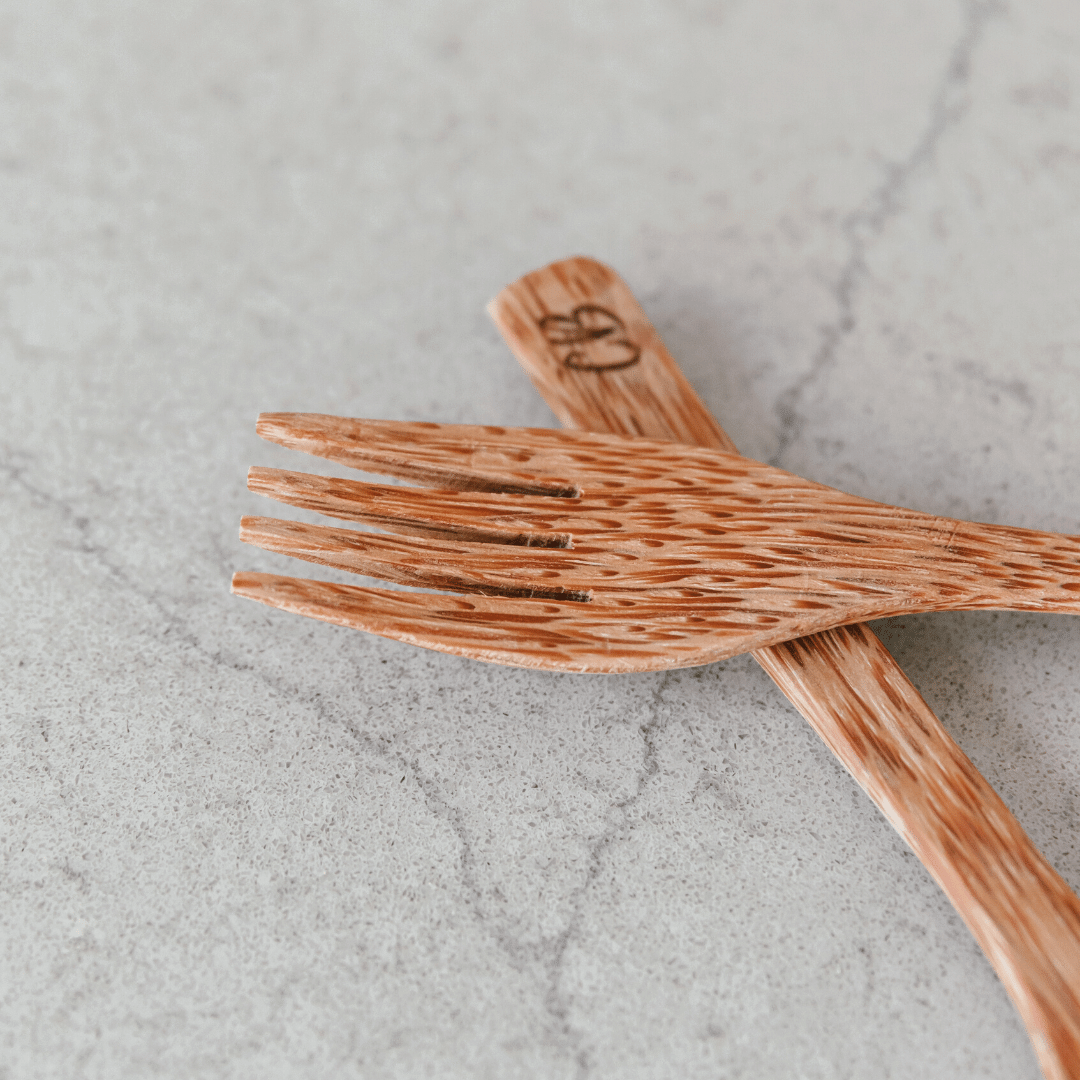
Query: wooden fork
column 1019, row 909
column 603, row 553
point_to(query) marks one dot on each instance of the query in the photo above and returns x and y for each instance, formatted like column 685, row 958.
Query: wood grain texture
column 657, row 555
column 650, row 397
column 847, row 686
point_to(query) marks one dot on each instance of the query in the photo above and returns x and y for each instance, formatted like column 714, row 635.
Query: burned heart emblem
column 590, row 338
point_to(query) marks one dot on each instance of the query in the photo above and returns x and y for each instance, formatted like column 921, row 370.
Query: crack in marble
column 549, row 954
column 863, row 226
column 558, row 1001
column 378, row 748
column 1017, row 390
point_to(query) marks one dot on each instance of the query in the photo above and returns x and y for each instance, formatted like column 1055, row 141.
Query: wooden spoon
column 843, row 681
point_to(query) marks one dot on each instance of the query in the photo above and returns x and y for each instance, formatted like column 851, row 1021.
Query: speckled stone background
column 241, row 844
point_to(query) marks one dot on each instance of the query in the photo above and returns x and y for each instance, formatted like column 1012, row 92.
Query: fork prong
column 548, row 634
column 611, row 635
column 487, row 569
column 527, row 461
column 479, row 517
column 463, row 458
column 521, row 633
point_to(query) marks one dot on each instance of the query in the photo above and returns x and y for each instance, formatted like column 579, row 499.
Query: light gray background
column 237, row 843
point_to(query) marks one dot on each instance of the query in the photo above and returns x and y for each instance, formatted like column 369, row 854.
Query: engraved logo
column 590, row 338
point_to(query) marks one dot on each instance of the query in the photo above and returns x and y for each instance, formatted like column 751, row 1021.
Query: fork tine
column 617, row 523
column 487, row 569
column 547, row 634
column 440, row 455
column 527, row 461
column 536, row 573
column 516, row 632
column 495, row 518
column 474, row 516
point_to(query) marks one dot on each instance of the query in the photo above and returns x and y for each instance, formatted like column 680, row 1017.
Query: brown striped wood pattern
column 846, row 684
column 642, row 555
column 650, row 398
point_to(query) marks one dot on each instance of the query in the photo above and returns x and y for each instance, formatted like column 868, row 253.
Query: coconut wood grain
column 654, row 554
column 843, row 681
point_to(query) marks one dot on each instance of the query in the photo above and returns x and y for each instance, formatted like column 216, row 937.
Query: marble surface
column 237, row 843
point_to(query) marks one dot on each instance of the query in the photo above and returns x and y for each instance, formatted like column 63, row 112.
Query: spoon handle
column 601, row 366
column 1020, row 911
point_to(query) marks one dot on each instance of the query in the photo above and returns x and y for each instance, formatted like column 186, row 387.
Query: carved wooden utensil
column 1021, row 912
column 843, row 681
column 603, row 553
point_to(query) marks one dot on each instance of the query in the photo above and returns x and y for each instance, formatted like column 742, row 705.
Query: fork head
column 565, row 550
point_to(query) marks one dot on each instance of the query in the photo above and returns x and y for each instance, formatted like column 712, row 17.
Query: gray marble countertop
column 238, row 843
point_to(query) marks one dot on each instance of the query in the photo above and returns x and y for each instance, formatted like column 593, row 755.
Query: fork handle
column 1023, row 915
